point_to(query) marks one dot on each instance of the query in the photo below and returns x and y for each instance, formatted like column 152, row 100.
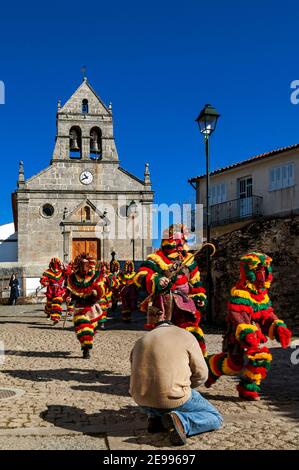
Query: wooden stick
column 149, row 297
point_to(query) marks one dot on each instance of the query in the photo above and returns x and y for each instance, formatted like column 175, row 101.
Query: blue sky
column 159, row 62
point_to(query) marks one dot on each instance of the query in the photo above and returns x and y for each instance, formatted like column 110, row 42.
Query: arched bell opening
column 95, row 143
column 84, row 106
column 75, row 142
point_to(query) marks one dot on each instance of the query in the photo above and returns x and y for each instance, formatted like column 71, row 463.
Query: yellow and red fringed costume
column 109, row 282
column 54, row 281
column 86, row 289
column 67, row 298
column 184, row 296
column 250, row 320
column 128, row 291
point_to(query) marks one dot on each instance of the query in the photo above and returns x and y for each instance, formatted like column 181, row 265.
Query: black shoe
column 86, row 354
column 155, row 425
column 175, row 428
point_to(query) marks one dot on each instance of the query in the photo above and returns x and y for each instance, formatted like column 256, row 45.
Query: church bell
column 74, row 144
column 94, row 146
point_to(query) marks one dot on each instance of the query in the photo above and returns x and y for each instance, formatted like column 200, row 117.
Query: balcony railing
column 234, row 211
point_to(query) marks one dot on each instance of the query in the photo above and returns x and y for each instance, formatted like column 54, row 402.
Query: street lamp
column 132, row 212
column 207, row 120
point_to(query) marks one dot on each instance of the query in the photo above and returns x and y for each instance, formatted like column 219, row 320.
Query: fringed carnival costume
column 69, row 269
column 86, row 289
column 54, row 280
column 181, row 299
column 108, row 281
column 128, row 291
column 250, row 320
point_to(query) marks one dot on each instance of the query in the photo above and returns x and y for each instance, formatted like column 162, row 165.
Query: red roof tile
column 249, row 160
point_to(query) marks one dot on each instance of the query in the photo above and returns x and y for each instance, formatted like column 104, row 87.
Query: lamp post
column 132, row 212
column 105, row 223
column 65, row 254
column 207, row 120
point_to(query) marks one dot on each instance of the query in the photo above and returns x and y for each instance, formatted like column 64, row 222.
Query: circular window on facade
column 47, row 210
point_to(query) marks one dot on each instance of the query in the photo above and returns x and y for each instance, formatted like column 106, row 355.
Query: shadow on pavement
column 111, row 384
column 223, row 398
column 114, row 322
column 41, row 326
column 99, row 381
column 23, row 314
column 76, row 419
column 121, row 422
column 138, row 319
column 281, row 387
column 57, row 354
column 21, row 322
column 128, row 422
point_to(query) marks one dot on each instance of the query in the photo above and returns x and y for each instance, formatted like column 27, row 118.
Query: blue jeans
column 197, row 415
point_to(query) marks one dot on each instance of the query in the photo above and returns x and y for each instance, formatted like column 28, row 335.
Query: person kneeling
column 167, row 365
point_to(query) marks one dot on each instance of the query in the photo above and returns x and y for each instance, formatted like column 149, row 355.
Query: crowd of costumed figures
column 170, row 279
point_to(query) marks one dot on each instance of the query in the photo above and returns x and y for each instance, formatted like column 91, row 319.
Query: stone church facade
column 83, row 201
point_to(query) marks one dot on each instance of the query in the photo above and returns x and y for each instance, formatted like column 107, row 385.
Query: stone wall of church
column 42, row 236
column 62, row 147
column 39, row 237
column 71, row 114
column 65, row 176
column 73, row 107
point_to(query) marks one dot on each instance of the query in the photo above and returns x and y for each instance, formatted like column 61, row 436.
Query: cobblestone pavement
column 65, row 402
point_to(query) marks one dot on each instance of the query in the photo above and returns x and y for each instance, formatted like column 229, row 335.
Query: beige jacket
column 165, row 364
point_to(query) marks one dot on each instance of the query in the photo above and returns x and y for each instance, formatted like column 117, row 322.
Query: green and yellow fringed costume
column 109, row 282
column 250, row 320
column 53, row 279
column 128, row 291
column 67, row 298
column 185, row 295
column 86, row 290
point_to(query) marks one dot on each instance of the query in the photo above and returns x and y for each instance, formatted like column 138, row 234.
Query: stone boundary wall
column 278, row 238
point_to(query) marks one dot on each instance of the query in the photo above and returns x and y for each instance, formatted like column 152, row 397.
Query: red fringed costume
column 54, row 279
column 182, row 298
column 250, row 320
column 86, row 289
column 109, row 282
column 67, row 298
column 128, row 291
